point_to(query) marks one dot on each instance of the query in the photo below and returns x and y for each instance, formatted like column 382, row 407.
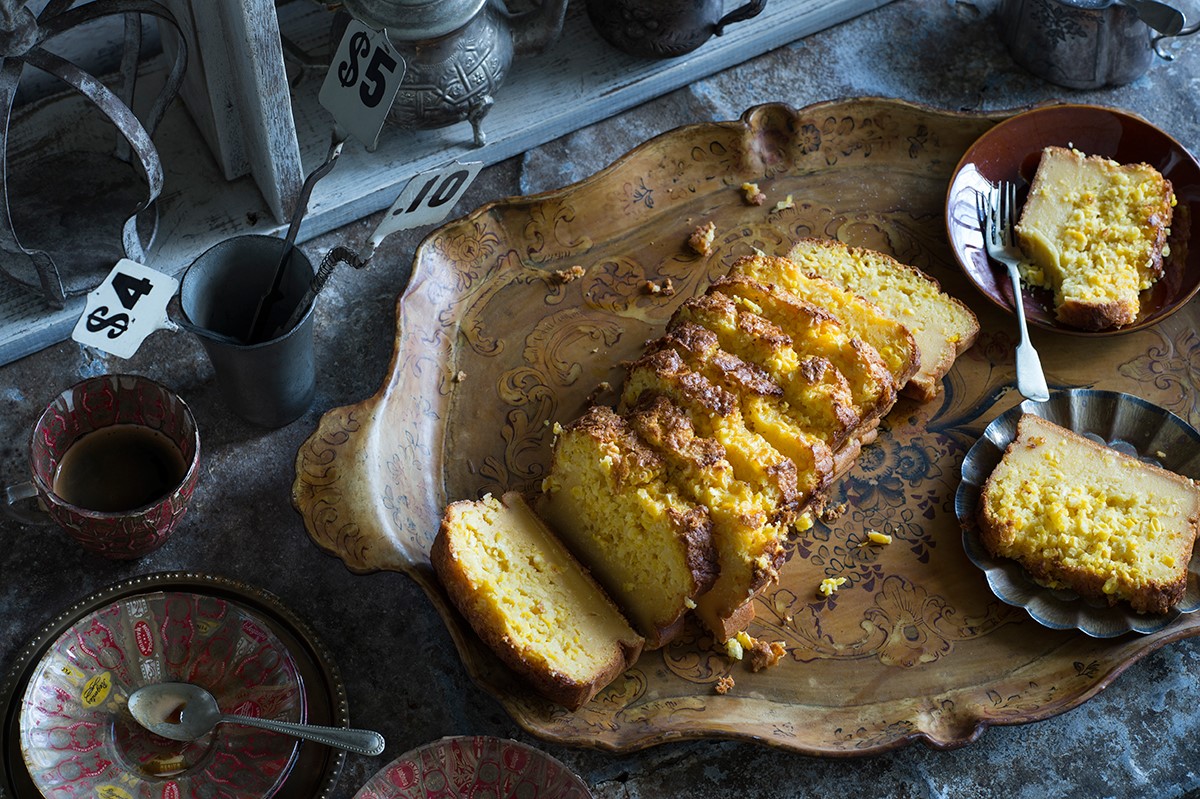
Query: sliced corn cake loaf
column 716, row 413
column 530, row 600
column 816, row 331
column 754, row 340
column 943, row 327
column 749, row 547
column 1095, row 232
column 803, row 422
column 650, row 547
column 1080, row 515
column 865, row 321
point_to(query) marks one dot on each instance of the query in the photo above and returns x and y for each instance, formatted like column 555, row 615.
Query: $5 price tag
column 129, row 305
column 362, row 82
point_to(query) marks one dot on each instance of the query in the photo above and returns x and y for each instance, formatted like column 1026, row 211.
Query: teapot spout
column 535, row 30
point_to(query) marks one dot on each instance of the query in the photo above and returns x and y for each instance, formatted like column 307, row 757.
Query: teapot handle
column 1159, row 42
column 751, row 9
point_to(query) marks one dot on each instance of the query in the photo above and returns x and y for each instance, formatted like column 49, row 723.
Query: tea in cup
column 114, row 461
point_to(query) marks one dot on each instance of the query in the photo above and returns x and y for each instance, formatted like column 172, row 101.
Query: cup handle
column 20, row 492
column 751, row 9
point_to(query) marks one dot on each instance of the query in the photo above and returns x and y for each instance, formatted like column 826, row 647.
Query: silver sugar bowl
column 457, row 53
column 1087, row 44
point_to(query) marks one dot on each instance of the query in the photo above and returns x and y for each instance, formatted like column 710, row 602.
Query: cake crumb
column 459, row 376
column 830, row 513
column 724, row 685
column 765, row 654
column 784, row 204
column 876, row 537
column 567, row 275
column 702, row 237
column 752, row 194
column 666, row 288
column 829, row 585
column 1158, row 453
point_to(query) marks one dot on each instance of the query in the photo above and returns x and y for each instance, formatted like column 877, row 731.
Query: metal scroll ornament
column 22, row 38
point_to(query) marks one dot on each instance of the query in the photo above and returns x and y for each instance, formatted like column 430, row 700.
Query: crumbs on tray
column 752, row 195
column 664, row 287
column 702, row 238
column 830, row 585
column 571, row 273
column 724, row 685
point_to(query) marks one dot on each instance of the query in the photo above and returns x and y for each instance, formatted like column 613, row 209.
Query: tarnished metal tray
column 492, row 349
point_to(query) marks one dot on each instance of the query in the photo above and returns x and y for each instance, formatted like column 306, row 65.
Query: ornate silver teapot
column 1087, row 44
column 457, row 53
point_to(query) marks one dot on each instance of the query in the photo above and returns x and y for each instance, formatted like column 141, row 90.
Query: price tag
column 362, row 82
column 129, row 305
column 427, row 198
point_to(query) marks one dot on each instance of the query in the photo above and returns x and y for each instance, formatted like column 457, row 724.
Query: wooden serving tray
column 492, row 349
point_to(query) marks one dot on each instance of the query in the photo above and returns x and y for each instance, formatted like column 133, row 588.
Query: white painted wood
column 576, row 82
column 260, row 87
column 207, row 88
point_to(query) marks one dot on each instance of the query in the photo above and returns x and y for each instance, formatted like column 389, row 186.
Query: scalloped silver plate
column 1121, row 421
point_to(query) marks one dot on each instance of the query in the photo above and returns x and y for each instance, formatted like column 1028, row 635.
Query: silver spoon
column 182, row 711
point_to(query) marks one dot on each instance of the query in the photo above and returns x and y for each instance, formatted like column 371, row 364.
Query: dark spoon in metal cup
column 273, row 295
column 182, row 711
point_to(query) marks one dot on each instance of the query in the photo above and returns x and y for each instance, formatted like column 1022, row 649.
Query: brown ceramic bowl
column 1011, row 150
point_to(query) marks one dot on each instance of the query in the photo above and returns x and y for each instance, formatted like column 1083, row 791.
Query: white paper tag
column 427, row 198
column 362, row 82
column 129, row 305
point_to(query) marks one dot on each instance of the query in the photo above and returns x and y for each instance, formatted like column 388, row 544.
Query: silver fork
column 996, row 210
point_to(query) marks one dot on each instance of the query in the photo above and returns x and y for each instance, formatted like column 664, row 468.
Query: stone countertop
column 402, row 675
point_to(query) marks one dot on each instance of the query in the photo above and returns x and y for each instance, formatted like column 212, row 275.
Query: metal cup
column 270, row 383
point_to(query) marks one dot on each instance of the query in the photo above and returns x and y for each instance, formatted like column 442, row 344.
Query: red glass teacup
column 114, row 461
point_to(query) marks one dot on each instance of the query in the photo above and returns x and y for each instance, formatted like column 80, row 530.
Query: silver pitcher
column 457, row 53
column 1082, row 44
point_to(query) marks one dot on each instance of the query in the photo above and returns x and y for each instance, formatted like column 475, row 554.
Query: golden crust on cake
column 820, row 406
column 1079, row 515
column 749, row 546
column 817, row 332
column 530, row 600
column 892, row 340
column 651, row 548
column 716, row 413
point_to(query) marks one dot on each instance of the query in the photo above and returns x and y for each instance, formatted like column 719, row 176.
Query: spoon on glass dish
column 182, row 711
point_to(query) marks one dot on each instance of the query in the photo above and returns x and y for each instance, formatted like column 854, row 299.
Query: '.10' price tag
column 362, row 82
column 428, row 197
column 129, row 305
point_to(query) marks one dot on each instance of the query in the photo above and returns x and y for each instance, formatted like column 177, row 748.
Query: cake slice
column 815, row 331
column 756, row 341
column 716, row 413
column 1079, row 515
column 749, row 547
column 943, row 327
column 865, row 321
column 649, row 546
column 804, row 421
column 1095, row 233
column 530, row 600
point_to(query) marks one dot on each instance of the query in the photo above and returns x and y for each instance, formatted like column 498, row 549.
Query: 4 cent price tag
column 129, row 305
column 362, row 82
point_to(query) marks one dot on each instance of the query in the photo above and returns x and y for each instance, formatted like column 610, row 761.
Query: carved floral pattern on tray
column 497, row 340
